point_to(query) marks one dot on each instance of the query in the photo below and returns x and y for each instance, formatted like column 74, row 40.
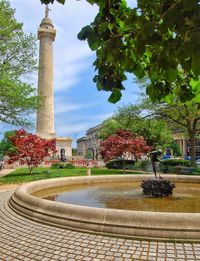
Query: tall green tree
column 17, row 60
column 132, row 117
column 184, row 116
column 6, row 145
column 156, row 39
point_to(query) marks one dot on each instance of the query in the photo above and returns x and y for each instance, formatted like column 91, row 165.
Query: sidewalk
column 26, row 240
column 5, row 172
column 7, row 187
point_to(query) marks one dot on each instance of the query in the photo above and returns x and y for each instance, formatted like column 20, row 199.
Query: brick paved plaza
column 22, row 239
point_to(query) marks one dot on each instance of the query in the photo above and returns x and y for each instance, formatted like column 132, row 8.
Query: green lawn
column 22, row 175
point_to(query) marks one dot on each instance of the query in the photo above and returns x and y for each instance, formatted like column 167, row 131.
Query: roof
column 46, row 21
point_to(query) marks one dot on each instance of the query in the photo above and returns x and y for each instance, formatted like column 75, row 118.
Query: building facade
column 184, row 144
column 89, row 145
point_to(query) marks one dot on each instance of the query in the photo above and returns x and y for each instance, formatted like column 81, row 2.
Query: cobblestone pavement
column 26, row 240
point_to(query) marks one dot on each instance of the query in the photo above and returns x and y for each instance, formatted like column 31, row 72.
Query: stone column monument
column 45, row 114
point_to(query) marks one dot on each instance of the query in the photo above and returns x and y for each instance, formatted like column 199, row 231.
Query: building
column 45, row 114
column 89, row 145
column 184, row 144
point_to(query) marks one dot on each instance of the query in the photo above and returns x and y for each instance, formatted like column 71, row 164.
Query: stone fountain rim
column 125, row 223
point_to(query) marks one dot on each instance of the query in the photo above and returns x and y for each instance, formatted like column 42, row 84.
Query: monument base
column 64, row 148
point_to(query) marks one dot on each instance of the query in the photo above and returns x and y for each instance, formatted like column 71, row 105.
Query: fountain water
column 106, row 219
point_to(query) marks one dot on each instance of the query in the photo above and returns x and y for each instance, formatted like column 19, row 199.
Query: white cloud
column 69, row 52
column 70, row 129
column 72, row 58
column 61, row 106
column 64, row 108
column 67, row 74
column 102, row 117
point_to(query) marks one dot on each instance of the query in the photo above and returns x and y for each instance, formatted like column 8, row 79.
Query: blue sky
column 78, row 104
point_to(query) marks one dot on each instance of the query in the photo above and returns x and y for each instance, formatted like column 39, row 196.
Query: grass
column 22, row 175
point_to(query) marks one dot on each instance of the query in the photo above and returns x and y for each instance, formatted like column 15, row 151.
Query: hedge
column 118, row 164
column 176, row 162
column 62, row 165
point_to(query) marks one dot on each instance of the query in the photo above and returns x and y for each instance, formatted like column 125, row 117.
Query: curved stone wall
column 133, row 224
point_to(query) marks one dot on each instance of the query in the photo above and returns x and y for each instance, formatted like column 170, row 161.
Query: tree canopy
column 156, row 39
column 185, row 117
column 155, row 131
column 123, row 144
column 30, row 149
column 6, row 145
column 17, row 52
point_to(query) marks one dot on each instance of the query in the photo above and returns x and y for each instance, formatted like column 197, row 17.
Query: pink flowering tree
column 122, row 145
column 30, row 149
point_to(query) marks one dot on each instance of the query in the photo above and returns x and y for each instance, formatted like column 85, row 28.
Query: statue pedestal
column 64, row 147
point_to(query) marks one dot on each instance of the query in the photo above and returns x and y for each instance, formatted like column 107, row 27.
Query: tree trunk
column 123, row 160
column 193, row 149
column 30, row 169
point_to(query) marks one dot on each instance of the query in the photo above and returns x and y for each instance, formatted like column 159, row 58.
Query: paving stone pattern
column 26, row 240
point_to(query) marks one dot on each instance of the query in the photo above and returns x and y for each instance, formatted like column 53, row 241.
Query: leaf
column 185, row 93
column 121, row 25
column 189, row 5
column 195, row 85
column 103, row 27
column 169, row 99
column 93, row 40
column 115, row 96
column 46, row 2
column 197, row 99
column 111, row 26
column 61, row 1
column 196, row 64
column 83, row 34
column 171, row 75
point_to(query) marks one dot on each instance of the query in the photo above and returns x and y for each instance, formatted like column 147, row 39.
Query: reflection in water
column 126, row 195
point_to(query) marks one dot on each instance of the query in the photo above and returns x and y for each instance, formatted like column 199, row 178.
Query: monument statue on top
column 47, row 11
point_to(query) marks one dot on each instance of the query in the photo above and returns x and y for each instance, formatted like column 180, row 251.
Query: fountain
column 136, row 223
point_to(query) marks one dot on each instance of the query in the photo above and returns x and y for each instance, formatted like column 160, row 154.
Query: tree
column 74, row 151
column 17, row 52
column 109, row 127
column 185, row 116
column 181, row 116
column 157, row 39
column 6, row 145
column 123, row 144
column 132, row 117
column 175, row 149
column 30, row 149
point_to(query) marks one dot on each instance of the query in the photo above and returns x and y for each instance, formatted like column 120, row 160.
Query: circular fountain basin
column 126, row 196
column 115, row 222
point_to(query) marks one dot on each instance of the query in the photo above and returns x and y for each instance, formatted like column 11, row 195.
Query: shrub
column 176, row 162
column 144, row 164
column 62, row 165
column 157, row 187
column 55, row 165
column 175, row 148
column 197, row 170
column 118, row 164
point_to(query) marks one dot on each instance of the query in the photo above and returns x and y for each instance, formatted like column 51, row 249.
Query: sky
column 78, row 103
